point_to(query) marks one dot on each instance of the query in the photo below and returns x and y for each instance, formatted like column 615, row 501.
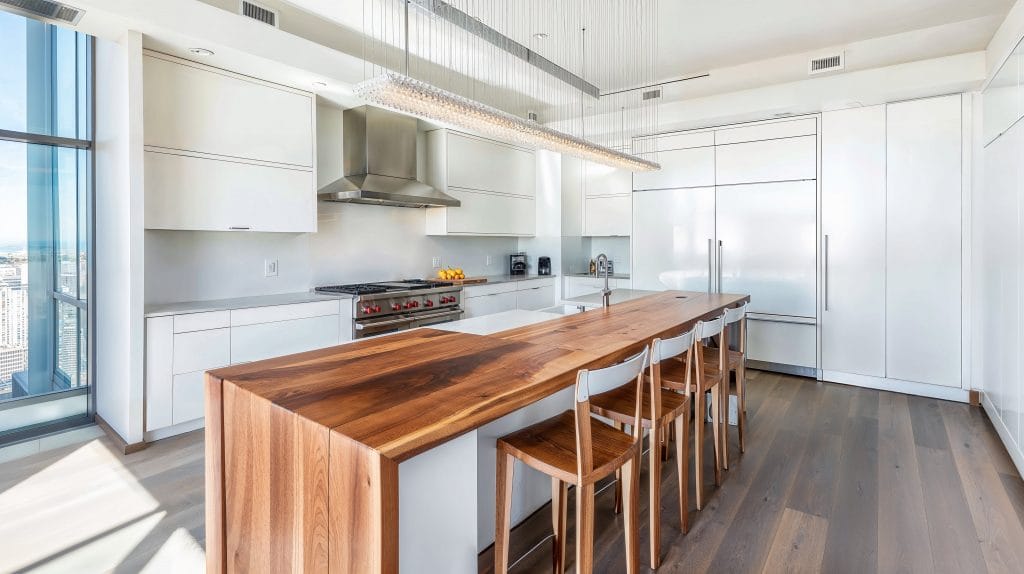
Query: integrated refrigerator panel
column 767, row 245
column 673, row 237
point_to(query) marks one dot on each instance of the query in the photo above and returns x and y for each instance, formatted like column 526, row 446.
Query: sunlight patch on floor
column 181, row 553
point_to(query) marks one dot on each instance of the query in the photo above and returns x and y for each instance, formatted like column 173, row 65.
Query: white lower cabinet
column 180, row 349
column 490, row 298
column 579, row 286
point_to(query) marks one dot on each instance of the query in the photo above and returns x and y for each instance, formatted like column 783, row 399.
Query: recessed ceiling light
column 540, row 35
column 200, row 52
column 320, row 84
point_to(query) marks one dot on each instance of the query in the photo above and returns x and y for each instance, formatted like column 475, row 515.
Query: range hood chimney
column 379, row 149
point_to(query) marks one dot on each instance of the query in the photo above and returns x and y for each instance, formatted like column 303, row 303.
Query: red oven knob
column 396, row 307
column 408, row 304
column 367, row 310
column 376, row 309
column 428, row 303
column 444, row 300
column 415, row 304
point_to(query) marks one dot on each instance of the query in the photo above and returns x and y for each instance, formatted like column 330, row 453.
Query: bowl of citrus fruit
column 450, row 273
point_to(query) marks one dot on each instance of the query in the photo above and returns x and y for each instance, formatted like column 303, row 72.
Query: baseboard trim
column 794, row 370
column 123, row 446
column 898, row 386
column 180, row 428
column 1004, row 433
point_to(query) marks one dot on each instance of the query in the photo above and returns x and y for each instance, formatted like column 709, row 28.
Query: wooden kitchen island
column 304, row 452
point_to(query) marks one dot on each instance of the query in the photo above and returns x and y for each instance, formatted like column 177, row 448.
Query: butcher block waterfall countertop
column 303, row 450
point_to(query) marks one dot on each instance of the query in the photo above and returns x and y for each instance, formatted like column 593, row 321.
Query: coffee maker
column 517, row 264
column 543, row 266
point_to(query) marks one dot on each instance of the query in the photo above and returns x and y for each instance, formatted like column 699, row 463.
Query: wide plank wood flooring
column 835, row 479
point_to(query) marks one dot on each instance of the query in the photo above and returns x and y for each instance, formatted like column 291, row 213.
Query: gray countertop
column 613, row 275
column 492, row 279
column 618, row 296
column 159, row 310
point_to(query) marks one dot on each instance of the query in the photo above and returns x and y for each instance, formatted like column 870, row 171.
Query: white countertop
column 618, row 296
column 488, row 324
column 491, row 279
column 599, row 276
column 159, row 310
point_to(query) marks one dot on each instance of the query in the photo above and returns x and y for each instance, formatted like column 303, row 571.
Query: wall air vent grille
column 259, row 13
column 44, row 10
column 827, row 64
column 652, row 94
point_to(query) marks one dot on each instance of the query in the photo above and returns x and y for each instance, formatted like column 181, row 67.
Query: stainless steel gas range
column 379, row 308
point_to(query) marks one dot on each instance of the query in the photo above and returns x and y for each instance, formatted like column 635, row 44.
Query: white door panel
column 773, row 160
column 767, row 233
column 267, row 340
column 853, row 241
column 693, row 167
column 923, row 241
column 671, row 231
column 607, row 216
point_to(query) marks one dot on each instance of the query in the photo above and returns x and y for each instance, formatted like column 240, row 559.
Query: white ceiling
column 700, row 35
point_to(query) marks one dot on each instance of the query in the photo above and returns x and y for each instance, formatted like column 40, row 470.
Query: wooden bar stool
column 737, row 364
column 705, row 376
column 660, row 408
column 574, row 448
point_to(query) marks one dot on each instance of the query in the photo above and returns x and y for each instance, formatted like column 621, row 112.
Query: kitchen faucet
column 606, row 293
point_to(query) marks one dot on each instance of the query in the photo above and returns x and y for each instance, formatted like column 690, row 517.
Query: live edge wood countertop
column 357, row 410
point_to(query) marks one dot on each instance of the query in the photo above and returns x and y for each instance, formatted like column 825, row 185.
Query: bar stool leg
column 724, row 419
column 618, row 479
column 585, row 527
column 631, row 477
column 559, row 518
column 503, row 503
column 682, row 428
column 716, row 424
column 654, row 510
column 741, row 404
column 698, row 443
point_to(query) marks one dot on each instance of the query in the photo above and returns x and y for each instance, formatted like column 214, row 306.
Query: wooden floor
column 835, row 479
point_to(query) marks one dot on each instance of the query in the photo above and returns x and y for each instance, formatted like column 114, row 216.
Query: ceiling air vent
column 827, row 64
column 652, row 94
column 259, row 13
column 44, row 10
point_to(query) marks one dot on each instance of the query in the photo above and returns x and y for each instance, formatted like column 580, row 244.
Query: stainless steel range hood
column 379, row 150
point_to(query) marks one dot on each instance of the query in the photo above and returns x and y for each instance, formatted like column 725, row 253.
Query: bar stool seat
column 550, row 446
column 673, row 374
column 614, row 404
column 735, row 358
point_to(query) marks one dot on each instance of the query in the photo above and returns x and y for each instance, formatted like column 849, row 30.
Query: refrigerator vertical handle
column 710, row 268
column 825, row 288
column 719, row 265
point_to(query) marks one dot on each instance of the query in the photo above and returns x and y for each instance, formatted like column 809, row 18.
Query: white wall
column 118, row 300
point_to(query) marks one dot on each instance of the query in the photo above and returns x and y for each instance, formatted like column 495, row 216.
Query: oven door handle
column 437, row 315
column 361, row 326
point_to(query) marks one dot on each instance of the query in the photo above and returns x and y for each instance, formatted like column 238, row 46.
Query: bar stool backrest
column 628, row 372
column 705, row 330
column 735, row 314
column 663, row 350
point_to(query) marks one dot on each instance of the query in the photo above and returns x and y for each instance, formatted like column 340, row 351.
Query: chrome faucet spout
column 606, row 293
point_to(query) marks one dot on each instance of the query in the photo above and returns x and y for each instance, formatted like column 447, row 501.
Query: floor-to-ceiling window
column 45, row 226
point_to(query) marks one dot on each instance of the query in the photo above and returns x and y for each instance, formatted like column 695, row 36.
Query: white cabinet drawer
column 533, row 283
column 769, row 131
column 484, row 213
column 609, row 216
column 480, row 164
column 782, row 343
column 489, row 304
column 203, row 194
column 191, row 107
column 255, row 315
column 766, row 161
column 535, row 298
column 487, row 289
column 201, row 350
column 201, row 321
column 680, row 168
column 267, row 340
column 188, row 397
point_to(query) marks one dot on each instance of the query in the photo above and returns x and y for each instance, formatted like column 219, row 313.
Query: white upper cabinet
column 787, row 159
column 496, row 183
column 767, row 131
column 600, row 180
column 853, row 241
column 608, row 216
column 191, row 107
column 923, row 241
column 693, row 167
column 225, row 152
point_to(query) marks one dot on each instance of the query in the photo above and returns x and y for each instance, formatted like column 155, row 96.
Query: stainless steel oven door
column 371, row 327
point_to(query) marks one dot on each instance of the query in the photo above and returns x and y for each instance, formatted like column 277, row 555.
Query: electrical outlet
column 270, row 267
column 436, row 262
column 488, row 260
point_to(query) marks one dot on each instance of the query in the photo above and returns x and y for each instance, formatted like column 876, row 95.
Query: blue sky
column 12, row 116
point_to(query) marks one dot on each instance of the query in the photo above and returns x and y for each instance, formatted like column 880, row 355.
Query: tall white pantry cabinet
column 891, row 313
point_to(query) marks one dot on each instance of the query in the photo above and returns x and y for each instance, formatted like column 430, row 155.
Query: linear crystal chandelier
column 571, row 76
